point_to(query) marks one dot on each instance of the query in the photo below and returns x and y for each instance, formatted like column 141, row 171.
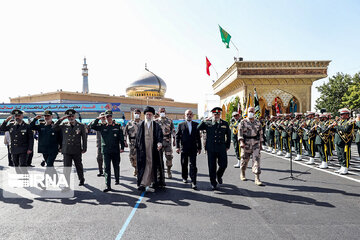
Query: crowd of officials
column 151, row 139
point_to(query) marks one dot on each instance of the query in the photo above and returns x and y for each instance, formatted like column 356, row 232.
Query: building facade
column 283, row 82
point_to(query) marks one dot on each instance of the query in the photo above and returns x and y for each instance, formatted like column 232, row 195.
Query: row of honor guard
column 313, row 135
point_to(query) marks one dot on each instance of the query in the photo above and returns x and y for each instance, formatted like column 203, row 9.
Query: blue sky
column 43, row 42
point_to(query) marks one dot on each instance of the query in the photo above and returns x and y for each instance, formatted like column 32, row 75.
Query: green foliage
column 332, row 92
column 351, row 99
column 232, row 108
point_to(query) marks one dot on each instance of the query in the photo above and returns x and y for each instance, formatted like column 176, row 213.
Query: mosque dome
column 147, row 85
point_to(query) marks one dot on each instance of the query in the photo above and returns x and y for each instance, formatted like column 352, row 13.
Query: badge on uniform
column 53, row 134
column 115, row 135
column 223, row 126
column 77, row 131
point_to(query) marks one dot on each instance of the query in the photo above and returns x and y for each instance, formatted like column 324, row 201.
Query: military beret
column 216, row 110
column 108, row 112
column 17, row 112
column 70, row 112
column 235, row 113
column 344, row 111
column 149, row 109
column 47, row 113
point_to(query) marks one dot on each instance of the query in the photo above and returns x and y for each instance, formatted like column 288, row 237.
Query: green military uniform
column 278, row 140
column 22, row 139
column 271, row 134
column 218, row 136
column 74, row 143
column 296, row 137
column 49, row 141
column 112, row 138
column 309, row 137
column 357, row 137
column 321, row 140
column 343, row 139
column 234, row 131
column 286, row 136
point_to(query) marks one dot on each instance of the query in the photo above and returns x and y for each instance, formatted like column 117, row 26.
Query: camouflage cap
column 47, row 113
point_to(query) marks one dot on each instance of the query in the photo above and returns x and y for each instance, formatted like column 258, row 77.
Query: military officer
column 130, row 132
column 297, row 135
column 112, row 144
column 322, row 139
column 271, row 134
column 234, row 130
column 22, row 139
column 49, row 141
column 250, row 137
column 343, row 138
column 99, row 156
column 74, row 143
column 218, row 140
column 168, row 129
column 286, row 134
column 309, row 136
column 357, row 137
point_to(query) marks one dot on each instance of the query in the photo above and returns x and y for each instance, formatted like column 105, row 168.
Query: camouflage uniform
column 168, row 129
column 251, row 133
column 130, row 131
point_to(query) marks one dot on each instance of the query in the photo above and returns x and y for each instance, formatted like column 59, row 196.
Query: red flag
column 208, row 64
column 277, row 107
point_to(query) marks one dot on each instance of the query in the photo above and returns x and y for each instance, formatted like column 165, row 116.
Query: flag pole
column 238, row 53
column 217, row 75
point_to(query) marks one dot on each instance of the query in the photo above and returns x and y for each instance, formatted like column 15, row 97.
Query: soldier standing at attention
column 234, row 130
column 322, row 139
column 297, row 135
column 343, row 138
column 112, row 144
column 357, row 137
column 74, row 143
column 22, row 139
column 218, row 139
column 130, row 131
column 99, row 156
column 250, row 138
column 168, row 130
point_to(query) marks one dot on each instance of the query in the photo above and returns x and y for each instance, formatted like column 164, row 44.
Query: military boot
column 257, row 180
column 242, row 175
column 169, row 173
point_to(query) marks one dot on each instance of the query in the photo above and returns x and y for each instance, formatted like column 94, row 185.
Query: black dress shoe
column 42, row 163
column 213, row 187
column 100, row 174
column 194, row 186
column 117, row 183
column 108, row 189
column 31, row 165
column 81, row 183
column 220, row 181
column 141, row 188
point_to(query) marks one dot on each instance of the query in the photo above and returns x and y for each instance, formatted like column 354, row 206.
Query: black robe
column 158, row 164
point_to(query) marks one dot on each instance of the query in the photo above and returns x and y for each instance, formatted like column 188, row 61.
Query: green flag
column 256, row 104
column 225, row 37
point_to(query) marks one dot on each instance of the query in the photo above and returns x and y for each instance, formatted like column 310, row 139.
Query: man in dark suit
column 218, row 139
column 189, row 143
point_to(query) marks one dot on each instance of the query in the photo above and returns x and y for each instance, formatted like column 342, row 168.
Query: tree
column 331, row 93
column 232, row 108
column 351, row 99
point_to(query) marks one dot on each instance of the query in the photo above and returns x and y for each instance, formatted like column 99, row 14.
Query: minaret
column 85, row 77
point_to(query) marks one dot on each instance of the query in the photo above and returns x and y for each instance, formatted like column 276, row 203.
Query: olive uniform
column 111, row 139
